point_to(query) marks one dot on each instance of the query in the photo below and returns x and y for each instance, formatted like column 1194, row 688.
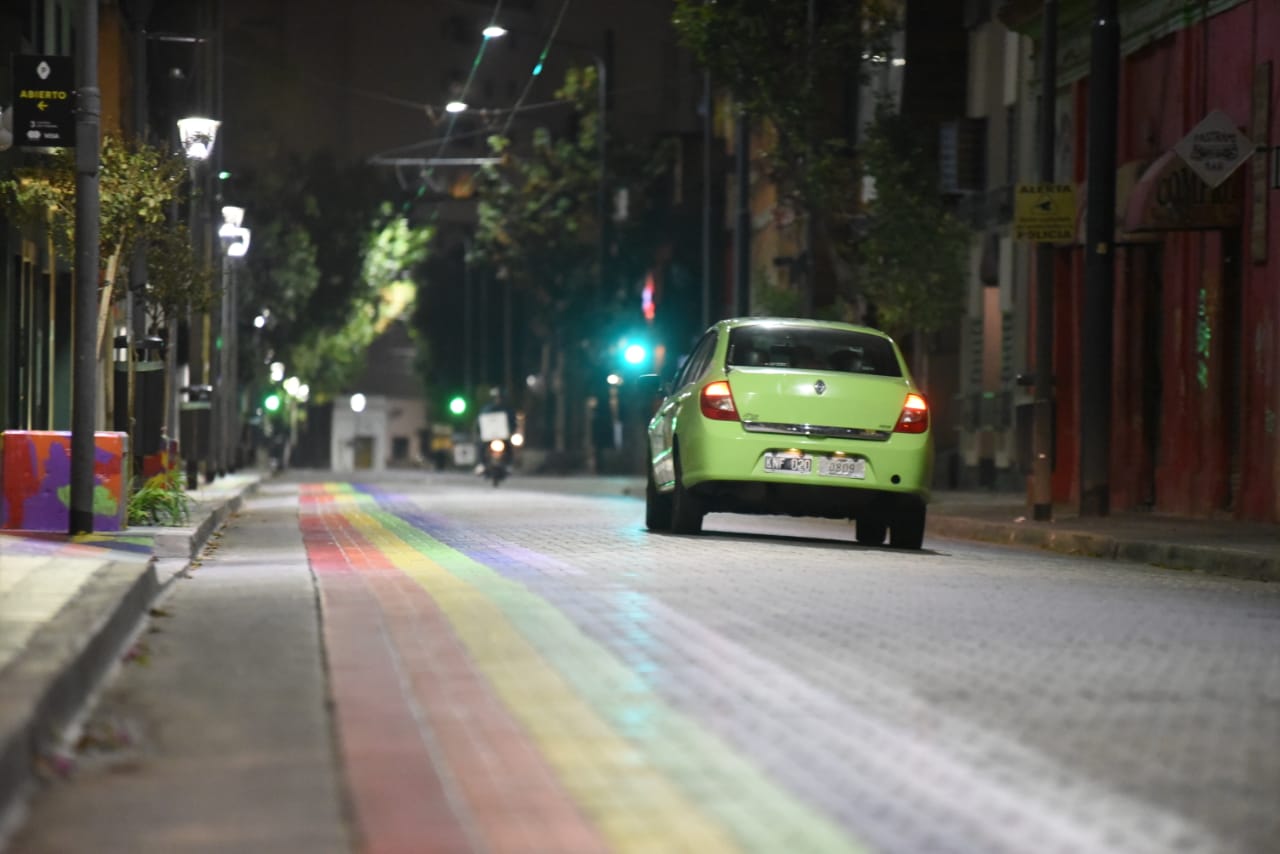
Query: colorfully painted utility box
column 35, row 476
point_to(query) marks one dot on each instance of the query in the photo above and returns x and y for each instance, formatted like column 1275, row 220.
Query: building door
column 363, row 452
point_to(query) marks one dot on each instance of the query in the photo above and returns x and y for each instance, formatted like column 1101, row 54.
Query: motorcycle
column 495, row 461
column 498, row 458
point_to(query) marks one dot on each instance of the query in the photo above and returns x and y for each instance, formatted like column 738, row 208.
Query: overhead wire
column 466, row 87
column 517, row 108
column 537, row 68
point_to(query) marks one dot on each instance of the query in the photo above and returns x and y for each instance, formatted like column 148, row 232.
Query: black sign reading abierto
column 44, row 104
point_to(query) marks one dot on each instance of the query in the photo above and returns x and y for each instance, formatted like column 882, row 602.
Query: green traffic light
column 634, row 354
column 272, row 402
column 458, row 405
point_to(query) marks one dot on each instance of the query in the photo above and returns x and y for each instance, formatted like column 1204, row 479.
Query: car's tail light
column 914, row 417
column 717, row 402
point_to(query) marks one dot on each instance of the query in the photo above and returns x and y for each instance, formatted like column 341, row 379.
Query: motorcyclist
column 496, row 403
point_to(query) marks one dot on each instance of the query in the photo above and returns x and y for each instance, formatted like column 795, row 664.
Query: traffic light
column 458, row 405
column 271, row 402
column 635, row 353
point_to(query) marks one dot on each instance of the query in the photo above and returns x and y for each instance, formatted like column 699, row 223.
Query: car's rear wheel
column 871, row 532
column 906, row 530
column 657, row 506
column 686, row 509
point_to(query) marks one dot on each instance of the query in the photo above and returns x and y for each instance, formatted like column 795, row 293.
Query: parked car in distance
column 791, row 417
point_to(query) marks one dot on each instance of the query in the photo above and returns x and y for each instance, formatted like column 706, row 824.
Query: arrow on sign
column 1045, row 205
column 42, row 106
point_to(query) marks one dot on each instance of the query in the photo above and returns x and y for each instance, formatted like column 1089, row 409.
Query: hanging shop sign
column 44, row 111
column 1171, row 196
column 1215, row 148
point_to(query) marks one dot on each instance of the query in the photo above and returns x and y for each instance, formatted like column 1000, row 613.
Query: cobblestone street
column 527, row 669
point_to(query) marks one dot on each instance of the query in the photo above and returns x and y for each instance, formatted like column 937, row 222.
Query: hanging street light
column 197, row 136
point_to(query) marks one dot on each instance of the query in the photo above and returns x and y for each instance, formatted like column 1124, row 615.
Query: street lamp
column 235, row 243
column 197, row 135
column 357, row 402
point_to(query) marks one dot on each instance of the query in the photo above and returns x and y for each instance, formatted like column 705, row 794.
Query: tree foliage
column 137, row 183
column 177, row 281
column 913, row 250
column 325, row 247
column 536, row 211
column 331, row 359
column 790, row 71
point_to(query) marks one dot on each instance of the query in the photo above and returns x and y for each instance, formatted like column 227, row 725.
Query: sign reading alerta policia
column 44, row 104
column 1044, row 213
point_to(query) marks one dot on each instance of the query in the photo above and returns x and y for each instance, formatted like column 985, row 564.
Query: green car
column 792, row 417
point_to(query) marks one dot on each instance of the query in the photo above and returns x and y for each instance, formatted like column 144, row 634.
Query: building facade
column 35, row 284
column 1195, row 374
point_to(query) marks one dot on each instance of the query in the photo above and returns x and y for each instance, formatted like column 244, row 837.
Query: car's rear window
column 812, row 348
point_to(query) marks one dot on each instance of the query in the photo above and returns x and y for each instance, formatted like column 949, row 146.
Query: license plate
column 791, row 463
column 854, row 467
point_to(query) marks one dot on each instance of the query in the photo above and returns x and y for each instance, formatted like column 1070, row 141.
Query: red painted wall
column 1219, row 354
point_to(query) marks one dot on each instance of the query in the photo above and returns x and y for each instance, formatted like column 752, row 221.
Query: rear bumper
column 724, row 464
column 789, row 499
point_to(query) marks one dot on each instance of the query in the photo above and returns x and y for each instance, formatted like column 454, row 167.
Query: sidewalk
column 1226, row 547
column 68, row 610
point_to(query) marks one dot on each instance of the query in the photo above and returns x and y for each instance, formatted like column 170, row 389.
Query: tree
column 789, row 64
column 537, row 222
column 331, row 359
column 137, row 183
column 914, row 250
column 315, row 224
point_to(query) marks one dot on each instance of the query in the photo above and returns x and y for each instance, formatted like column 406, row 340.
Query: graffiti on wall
column 1204, row 339
column 35, row 473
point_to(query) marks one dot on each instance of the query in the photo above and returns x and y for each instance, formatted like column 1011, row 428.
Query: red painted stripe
column 400, row 802
column 510, row 797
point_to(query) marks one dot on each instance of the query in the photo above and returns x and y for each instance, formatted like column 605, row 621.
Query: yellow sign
column 1044, row 213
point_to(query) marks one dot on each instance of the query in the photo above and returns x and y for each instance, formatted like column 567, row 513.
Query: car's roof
column 799, row 322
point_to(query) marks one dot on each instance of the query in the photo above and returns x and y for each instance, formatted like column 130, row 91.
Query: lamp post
column 357, row 403
column 197, row 135
column 84, row 399
column 235, row 244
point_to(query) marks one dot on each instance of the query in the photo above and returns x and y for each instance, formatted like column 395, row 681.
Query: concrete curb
column 1211, row 560
column 63, row 664
column 67, row 659
column 187, row 541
